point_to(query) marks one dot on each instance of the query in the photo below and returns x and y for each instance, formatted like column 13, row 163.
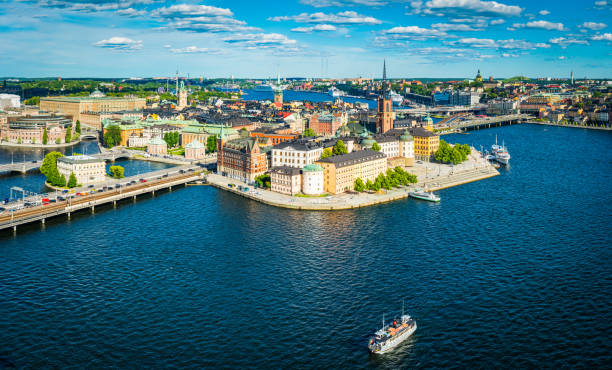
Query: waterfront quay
column 431, row 176
column 127, row 188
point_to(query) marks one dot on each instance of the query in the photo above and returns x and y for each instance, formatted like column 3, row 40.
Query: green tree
column 68, row 134
column 62, row 181
column 58, row 140
column 327, row 152
column 359, row 185
column 309, row 133
column 376, row 147
column 45, row 136
column 211, row 144
column 35, row 100
column 369, row 185
column 49, row 167
column 263, row 181
column 77, row 128
column 116, row 172
column 340, row 148
column 72, row 180
column 112, row 136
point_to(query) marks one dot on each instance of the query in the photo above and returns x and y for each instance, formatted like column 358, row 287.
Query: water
column 35, row 181
column 512, row 271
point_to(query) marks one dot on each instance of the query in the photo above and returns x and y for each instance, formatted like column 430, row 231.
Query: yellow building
column 78, row 106
column 341, row 171
column 426, row 143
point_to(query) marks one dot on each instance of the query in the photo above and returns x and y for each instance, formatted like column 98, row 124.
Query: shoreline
column 346, row 201
column 39, row 146
column 608, row 128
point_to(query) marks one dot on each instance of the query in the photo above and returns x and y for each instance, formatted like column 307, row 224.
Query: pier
column 11, row 220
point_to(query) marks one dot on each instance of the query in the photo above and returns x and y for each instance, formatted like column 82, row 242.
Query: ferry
column 424, row 195
column 392, row 334
column 396, row 98
column 334, row 92
column 264, row 87
column 500, row 152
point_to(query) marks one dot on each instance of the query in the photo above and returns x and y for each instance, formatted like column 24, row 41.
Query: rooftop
column 352, row 158
column 73, row 159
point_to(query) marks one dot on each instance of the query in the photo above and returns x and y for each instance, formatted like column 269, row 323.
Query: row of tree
column 454, row 154
column 263, row 181
column 112, row 136
column 49, row 169
column 172, row 138
column 394, row 178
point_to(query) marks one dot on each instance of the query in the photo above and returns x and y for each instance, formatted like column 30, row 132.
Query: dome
column 406, row 136
column 312, row 168
column 428, row 119
column 195, row 144
column 367, row 143
column 97, row 94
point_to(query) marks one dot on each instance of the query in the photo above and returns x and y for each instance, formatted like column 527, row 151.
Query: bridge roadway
column 41, row 213
column 487, row 122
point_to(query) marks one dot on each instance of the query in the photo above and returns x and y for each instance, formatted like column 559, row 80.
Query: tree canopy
column 376, row 147
column 327, row 152
column 340, row 148
column 116, row 172
column 309, row 133
column 172, row 138
column 112, row 136
column 72, row 180
column 211, row 144
column 452, row 154
column 49, row 169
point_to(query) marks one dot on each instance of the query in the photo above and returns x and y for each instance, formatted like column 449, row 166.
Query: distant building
column 478, row 77
column 86, row 169
column 181, row 96
column 157, row 146
column 296, row 154
column 76, row 106
column 241, row 159
column 195, row 150
column 275, row 136
column 30, row 129
column 426, row 143
column 341, row 171
column 326, row 124
column 128, row 128
column 464, row 98
column 312, row 179
column 9, row 101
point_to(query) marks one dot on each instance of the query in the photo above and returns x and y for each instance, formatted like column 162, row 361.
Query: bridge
column 21, row 167
column 123, row 190
column 485, row 122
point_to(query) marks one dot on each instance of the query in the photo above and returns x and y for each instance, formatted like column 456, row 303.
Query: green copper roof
column 406, row 136
column 196, row 144
column 157, row 141
column 312, row 168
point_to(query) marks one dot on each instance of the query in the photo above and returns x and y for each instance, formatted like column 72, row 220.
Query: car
column 143, row 180
column 182, row 171
column 90, row 186
column 166, row 175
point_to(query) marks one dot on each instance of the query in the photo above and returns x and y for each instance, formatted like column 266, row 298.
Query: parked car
column 143, row 180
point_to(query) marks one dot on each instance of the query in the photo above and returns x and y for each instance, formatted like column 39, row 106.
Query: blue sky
column 306, row 38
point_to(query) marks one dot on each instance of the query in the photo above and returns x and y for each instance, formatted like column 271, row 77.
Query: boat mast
column 402, row 308
column 383, row 321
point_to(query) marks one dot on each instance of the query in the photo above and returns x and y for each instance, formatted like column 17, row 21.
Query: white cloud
column 194, row 50
column 603, row 37
column 510, row 44
column 478, row 43
column 594, row 26
column 347, row 17
column 465, row 7
column 543, row 12
column 191, row 10
column 562, row 57
column 497, row 21
column 318, row 27
column 544, row 25
column 120, row 43
column 92, row 6
column 508, row 55
column 131, row 12
column 563, row 42
column 415, row 33
column 260, row 40
column 326, row 3
column 455, row 27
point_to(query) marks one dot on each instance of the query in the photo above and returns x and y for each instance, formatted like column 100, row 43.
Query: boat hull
column 421, row 197
column 392, row 343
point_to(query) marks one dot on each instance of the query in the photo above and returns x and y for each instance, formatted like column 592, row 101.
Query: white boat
column 264, row 87
column 424, row 195
column 500, row 152
column 391, row 335
column 334, row 92
column 396, row 98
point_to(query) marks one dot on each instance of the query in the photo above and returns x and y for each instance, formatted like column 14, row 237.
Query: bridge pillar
column 134, row 198
column 68, row 214
column 42, row 221
column 15, row 228
column 170, row 187
column 92, row 209
column 153, row 192
column 114, row 203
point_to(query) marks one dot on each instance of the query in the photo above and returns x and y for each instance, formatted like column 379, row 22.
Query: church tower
column 384, row 118
column 182, row 96
column 278, row 92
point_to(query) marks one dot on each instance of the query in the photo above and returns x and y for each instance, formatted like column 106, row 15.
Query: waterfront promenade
column 431, row 176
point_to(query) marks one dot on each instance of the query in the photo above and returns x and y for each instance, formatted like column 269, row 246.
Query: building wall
column 241, row 166
column 312, row 182
column 86, row 173
column 390, row 148
column 188, row 137
column 157, row 149
column 74, row 107
column 295, row 158
column 425, row 146
column 342, row 179
column 195, row 153
column 285, row 184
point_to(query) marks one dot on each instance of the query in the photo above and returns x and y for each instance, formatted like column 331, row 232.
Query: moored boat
column 424, row 195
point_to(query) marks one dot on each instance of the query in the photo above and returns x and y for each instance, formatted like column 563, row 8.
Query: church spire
column 384, row 70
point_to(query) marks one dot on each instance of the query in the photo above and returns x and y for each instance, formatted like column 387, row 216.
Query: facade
column 30, row 129
column 95, row 119
column 86, row 169
column 325, row 124
column 406, row 148
column 240, row 159
column 285, row 180
column 275, row 137
column 312, row 179
column 128, row 129
column 195, row 150
column 389, row 146
column 341, row 171
column 138, row 141
column 501, row 107
column 426, row 143
column 384, row 118
column 182, row 97
column 76, row 106
column 157, row 146
column 296, row 154
column 464, row 98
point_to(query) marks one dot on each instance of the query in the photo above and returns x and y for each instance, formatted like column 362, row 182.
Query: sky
column 306, row 38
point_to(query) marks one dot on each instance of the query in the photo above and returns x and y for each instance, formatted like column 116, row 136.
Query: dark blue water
column 513, row 271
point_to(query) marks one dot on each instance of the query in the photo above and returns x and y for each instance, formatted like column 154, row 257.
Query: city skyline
column 307, row 38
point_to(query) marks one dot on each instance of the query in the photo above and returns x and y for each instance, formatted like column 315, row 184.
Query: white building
column 285, row 180
column 312, row 179
column 136, row 140
column 406, row 146
column 389, row 146
column 9, row 101
column 296, row 154
column 87, row 169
